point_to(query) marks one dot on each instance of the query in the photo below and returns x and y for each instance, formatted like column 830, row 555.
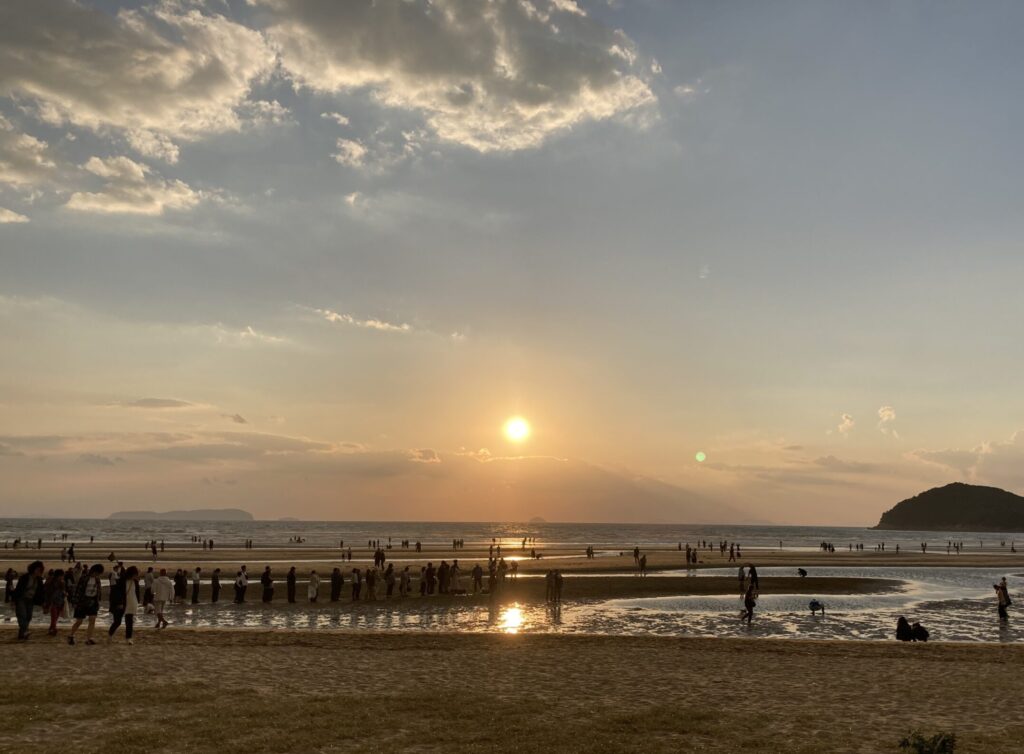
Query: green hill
column 958, row 507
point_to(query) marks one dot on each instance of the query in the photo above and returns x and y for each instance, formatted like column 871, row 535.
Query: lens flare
column 701, row 456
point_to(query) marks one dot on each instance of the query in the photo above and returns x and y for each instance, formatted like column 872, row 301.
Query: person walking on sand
column 643, row 564
column 55, row 591
column 163, row 592
column 196, row 579
column 147, row 590
column 290, row 584
column 313, row 591
column 87, row 602
column 27, row 594
column 131, row 602
column 117, row 596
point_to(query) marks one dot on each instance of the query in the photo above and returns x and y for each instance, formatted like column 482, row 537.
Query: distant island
column 210, row 514
column 537, row 520
column 957, row 507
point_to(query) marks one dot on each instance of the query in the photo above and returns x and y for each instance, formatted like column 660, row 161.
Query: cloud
column 886, row 416
column 167, row 70
column 9, row 450
column 99, row 460
column 350, row 153
column 129, row 188
column 236, row 418
column 247, row 336
column 154, row 145
column 846, row 424
column 24, row 159
column 998, row 462
column 502, row 75
column 9, row 216
column 963, row 461
column 158, row 403
column 850, row 467
column 338, row 118
column 424, row 455
column 369, row 324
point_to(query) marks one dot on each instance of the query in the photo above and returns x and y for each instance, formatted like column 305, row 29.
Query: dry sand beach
column 248, row 691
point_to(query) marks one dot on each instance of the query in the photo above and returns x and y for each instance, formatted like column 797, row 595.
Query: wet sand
column 262, row 691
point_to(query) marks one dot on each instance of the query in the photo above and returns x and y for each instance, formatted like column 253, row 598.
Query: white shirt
column 163, row 589
column 131, row 602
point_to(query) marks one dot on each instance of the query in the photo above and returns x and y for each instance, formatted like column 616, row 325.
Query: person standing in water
column 313, row 591
column 163, row 592
column 336, row 582
column 749, row 603
column 267, row 581
column 1003, row 599
column 215, row 585
column 290, row 584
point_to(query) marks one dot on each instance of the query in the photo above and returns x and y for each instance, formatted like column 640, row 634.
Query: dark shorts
column 87, row 610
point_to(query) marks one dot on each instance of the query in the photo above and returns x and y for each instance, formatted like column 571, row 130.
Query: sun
column 516, row 429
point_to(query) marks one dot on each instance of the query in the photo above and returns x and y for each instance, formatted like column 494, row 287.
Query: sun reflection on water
column 511, row 619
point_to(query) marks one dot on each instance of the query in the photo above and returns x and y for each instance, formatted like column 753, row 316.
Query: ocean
column 328, row 533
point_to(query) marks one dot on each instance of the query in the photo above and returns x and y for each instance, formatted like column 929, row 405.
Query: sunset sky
column 306, row 257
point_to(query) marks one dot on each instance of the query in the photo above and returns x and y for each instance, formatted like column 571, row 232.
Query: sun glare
column 517, row 429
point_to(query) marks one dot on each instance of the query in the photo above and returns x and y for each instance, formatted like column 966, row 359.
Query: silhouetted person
column 290, row 581
column 267, row 581
column 903, row 630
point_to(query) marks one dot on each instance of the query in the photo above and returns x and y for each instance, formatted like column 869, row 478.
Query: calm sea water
column 328, row 533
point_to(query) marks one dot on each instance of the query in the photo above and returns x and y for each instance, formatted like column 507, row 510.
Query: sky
column 306, row 257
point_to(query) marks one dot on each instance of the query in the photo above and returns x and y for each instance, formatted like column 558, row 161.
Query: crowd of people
column 76, row 592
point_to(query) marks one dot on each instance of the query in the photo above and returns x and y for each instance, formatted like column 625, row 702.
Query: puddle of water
column 954, row 604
